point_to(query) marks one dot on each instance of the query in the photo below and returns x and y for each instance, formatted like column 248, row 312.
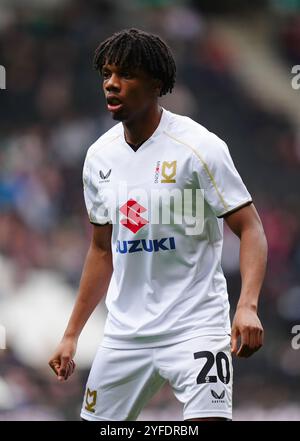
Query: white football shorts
column 199, row 370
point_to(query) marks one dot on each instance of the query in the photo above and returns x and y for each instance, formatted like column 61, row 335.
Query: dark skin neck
column 142, row 127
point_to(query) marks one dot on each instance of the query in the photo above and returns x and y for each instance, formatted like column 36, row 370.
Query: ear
column 157, row 86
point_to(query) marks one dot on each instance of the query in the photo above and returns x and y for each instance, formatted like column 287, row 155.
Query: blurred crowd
column 53, row 110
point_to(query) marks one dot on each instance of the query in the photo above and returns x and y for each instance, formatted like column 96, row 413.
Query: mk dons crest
column 168, row 172
column 90, row 400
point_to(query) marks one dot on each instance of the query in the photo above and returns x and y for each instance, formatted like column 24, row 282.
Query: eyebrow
column 130, row 69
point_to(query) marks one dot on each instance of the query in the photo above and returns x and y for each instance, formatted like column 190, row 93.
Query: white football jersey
column 168, row 284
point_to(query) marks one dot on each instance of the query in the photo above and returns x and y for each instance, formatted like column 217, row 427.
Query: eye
column 126, row 74
column 105, row 74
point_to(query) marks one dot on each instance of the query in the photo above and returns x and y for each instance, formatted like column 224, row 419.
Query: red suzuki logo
column 131, row 210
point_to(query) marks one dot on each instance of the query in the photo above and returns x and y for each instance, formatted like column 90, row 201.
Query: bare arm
column 246, row 224
column 93, row 286
column 94, row 281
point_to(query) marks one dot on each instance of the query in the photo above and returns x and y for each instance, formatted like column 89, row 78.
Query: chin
column 117, row 117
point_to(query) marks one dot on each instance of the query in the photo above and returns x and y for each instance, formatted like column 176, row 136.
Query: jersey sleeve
column 223, row 187
column 95, row 206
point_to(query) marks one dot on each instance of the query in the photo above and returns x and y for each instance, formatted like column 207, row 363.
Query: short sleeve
column 223, row 187
column 97, row 212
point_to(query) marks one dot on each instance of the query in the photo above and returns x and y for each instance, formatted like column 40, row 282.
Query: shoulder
column 195, row 137
column 104, row 140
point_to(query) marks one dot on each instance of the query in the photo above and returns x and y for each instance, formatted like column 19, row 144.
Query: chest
column 157, row 166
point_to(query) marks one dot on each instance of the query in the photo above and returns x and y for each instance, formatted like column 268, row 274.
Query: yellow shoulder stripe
column 204, row 165
column 103, row 145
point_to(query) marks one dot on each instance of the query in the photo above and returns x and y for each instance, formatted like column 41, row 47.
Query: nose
column 113, row 83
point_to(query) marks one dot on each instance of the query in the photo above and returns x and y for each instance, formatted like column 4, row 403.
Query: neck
column 142, row 127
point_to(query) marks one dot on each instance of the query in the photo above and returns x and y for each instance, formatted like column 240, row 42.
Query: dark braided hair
column 133, row 48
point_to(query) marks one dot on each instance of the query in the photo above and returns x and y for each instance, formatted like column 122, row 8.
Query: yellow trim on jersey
column 103, row 145
column 205, row 166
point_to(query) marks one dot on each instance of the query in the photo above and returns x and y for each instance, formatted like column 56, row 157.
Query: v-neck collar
column 161, row 126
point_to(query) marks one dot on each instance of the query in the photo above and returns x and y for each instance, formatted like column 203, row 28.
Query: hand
column 246, row 325
column 62, row 362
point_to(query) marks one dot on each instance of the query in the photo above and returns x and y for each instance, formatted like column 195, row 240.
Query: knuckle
column 252, row 329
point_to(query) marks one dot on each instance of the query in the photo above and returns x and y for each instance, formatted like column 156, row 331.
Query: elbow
column 265, row 244
column 260, row 240
column 257, row 236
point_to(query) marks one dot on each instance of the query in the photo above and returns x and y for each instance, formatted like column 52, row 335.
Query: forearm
column 93, row 286
column 253, row 259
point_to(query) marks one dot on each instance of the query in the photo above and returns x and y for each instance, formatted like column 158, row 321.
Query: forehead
column 119, row 68
column 112, row 66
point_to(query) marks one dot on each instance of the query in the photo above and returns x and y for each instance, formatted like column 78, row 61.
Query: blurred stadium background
column 234, row 76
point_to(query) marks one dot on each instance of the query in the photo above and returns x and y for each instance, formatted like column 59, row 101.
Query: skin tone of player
column 132, row 97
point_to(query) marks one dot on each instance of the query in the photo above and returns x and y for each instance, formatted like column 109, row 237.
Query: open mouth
column 113, row 103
